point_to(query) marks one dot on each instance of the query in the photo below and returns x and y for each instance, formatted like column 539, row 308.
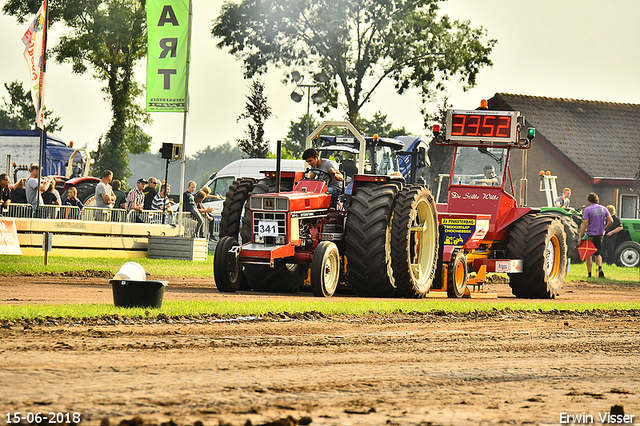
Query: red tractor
column 483, row 227
column 385, row 238
column 380, row 238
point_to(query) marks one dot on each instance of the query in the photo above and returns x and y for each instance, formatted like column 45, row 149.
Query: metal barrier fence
column 95, row 214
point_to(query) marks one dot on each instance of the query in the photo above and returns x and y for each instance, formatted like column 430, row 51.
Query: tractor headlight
column 281, row 239
column 259, row 239
column 282, row 204
column 256, row 203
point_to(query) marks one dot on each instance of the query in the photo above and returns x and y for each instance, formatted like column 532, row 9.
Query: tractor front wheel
column 226, row 281
column 325, row 269
column 539, row 240
column 628, row 254
column 457, row 275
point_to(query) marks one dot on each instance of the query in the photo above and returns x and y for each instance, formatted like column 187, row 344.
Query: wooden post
column 46, row 246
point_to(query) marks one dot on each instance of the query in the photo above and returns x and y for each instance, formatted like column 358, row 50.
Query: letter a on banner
column 167, row 53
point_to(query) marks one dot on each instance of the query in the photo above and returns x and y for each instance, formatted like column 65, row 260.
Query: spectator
column 563, row 200
column 593, row 223
column 189, row 205
column 159, row 202
column 135, row 201
column 105, row 198
column 34, row 189
column 205, row 212
column 610, row 240
column 18, row 194
column 121, row 197
column 5, row 193
column 208, row 195
column 150, row 192
column 72, row 200
column 48, row 197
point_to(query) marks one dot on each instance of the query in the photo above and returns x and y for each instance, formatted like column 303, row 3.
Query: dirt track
column 511, row 368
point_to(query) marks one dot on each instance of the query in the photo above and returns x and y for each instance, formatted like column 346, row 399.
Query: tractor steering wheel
column 319, row 175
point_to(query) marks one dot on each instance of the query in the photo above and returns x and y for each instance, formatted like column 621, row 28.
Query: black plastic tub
column 138, row 294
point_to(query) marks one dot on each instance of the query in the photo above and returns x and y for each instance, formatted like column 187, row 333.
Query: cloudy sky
column 580, row 49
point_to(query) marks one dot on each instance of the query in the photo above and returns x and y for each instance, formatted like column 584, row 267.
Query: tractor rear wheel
column 368, row 240
column 283, row 277
column 234, row 202
column 414, row 241
column 628, row 254
column 325, row 269
column 226, row 281
column 539, row 240
column 457, row 275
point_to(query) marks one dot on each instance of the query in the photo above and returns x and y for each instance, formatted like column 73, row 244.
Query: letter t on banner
column 168, row 31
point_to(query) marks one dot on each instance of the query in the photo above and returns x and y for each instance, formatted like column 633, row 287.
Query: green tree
column 297, row 135
column 257, row 112
column 110, row 37
column 18, row 112
column 359, row 43
column 380, row 126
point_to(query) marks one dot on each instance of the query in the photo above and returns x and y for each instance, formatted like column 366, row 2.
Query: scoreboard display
column 482, row 126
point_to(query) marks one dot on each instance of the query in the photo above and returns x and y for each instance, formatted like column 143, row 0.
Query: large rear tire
column 283, row 277
column 539, row 240
column 368, row 240
column 226, row 281
column 628, row 254
column 233, row 206
column 414, row 241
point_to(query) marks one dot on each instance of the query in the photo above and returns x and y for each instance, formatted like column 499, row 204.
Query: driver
column 313, row 159
column 490, row 177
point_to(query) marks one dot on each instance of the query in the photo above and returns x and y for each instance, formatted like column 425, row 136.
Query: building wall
column 543, row 157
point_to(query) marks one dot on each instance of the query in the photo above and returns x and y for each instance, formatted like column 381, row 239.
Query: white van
column 249, row 167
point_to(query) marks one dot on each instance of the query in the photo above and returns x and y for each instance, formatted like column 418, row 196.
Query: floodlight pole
column 320, row 78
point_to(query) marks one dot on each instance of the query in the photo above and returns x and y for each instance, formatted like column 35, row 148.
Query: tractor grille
column 281, row 227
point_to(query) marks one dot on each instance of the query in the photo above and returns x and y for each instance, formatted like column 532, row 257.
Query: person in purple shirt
column 596, row 219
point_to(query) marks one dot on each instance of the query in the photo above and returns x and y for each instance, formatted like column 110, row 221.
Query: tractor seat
column 348, row 167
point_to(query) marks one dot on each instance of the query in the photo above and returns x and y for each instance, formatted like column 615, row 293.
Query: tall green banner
column 167, row 54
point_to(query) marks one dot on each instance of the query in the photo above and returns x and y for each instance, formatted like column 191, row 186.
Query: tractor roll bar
column 353, row 131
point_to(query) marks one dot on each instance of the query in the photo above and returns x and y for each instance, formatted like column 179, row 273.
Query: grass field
column 34, row 265
column 27, row 265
